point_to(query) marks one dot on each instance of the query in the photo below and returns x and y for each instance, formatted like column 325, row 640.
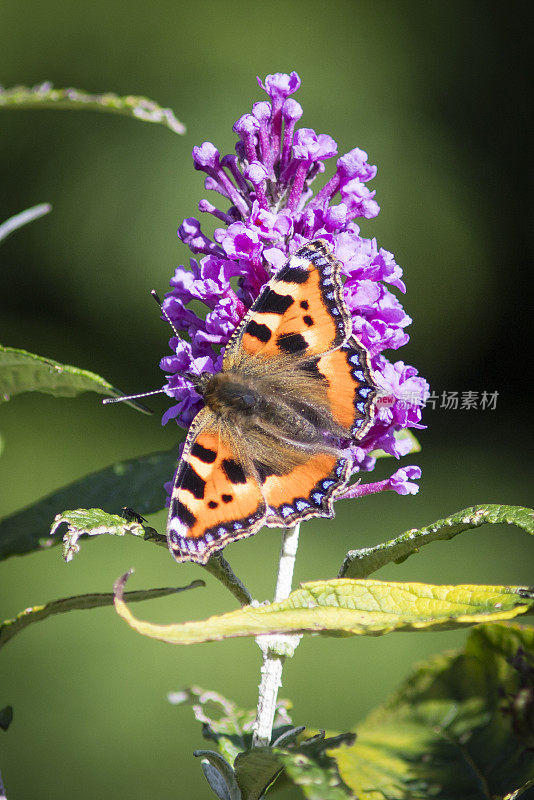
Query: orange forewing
column 299, row 312
column 350, row 387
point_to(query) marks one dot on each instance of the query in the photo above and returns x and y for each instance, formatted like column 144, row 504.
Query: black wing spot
column 212, row 504
column 233, row 471
column 182, row 512
column 192, row 482
column 227, row 498
column 292, row 342
column 307, row 320
column 261, row 332
column 293, row 275
column 203, row 453
column 273, row 303
column 304, row 304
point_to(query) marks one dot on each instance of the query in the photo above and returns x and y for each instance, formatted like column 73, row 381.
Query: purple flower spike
column 270, row 210
column 401, row 482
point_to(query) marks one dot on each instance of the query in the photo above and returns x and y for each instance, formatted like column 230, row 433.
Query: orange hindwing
column 213, row 502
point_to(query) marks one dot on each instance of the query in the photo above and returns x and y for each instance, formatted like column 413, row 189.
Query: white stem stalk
column 275, row 649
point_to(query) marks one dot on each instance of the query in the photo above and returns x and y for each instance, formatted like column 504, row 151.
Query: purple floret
column 270, row 211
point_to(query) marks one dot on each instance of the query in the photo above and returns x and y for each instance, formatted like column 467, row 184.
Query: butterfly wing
column 213, row 502
column 351, row 388
column 307, row 490
column 300, row 311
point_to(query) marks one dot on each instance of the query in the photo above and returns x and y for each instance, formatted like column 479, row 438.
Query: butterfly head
column 200, row 380
column 226, row 394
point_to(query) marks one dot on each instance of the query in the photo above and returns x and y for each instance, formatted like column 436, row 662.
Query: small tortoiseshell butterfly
column 269, row 447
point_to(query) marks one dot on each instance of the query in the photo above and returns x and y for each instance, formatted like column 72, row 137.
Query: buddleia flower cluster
column 269, row 211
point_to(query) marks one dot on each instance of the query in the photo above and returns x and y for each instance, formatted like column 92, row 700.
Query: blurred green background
column 437, row 95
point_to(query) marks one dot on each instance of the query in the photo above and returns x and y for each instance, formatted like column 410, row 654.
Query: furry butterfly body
column 269, row 448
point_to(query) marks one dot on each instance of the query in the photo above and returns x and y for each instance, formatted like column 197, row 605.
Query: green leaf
column 45, row 96
column 26, row 372
column 137, row 483
column 10, row 627
column 225, row 723
column 256, row 770
column 219, row 775
column 93, row 522
column 448, row 732
column 307, row 765
column 345, row 607
column 18, row 220
column 317, row 778
column 404, row 435
column 361, row 563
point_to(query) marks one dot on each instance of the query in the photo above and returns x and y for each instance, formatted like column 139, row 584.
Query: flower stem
column 275, row 649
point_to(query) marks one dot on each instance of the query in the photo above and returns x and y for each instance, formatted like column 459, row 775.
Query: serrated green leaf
column 18, row 220
column 404, row 435
column 92, row 522
column 45, row 96
column 21, row 371
column 447, row 733
column 137, row 483
column 345, row 607
column 10, row 627
column 361, row 563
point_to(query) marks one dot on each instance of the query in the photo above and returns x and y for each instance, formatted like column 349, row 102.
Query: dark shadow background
column 438, row 94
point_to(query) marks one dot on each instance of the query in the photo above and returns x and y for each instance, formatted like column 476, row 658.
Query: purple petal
column 280, row 85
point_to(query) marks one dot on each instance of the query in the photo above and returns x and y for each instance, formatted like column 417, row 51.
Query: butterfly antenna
column 158, row 300
column 128, row 397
